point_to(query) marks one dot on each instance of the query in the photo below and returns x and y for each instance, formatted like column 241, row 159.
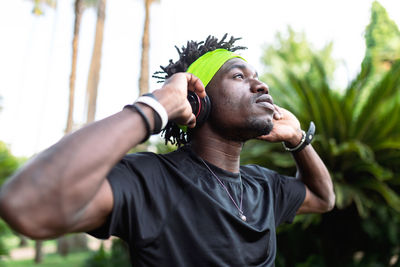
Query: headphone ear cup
column 201, row 107
column 205, row 110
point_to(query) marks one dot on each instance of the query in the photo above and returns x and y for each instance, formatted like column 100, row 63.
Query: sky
column 35, row 51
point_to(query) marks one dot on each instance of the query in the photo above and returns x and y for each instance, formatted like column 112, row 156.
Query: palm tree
column 94, row 71
column 144, row 63
column 78, row 17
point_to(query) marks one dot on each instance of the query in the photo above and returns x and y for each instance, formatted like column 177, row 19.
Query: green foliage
column 119, row 256
column 382, row 38
column 4, row 230
column 292, row 51
column 157, row 146
column 98, row 259
column 358, row 138
column 8, row 163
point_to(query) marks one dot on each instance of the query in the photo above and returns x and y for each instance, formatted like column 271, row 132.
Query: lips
column 265, row 101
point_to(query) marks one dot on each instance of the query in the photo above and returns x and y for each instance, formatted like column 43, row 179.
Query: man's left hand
column 286, row 128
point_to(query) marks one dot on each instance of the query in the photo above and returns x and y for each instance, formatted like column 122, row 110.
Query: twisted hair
column 187, row 55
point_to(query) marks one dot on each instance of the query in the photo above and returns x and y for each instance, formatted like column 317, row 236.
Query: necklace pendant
column 243, row 217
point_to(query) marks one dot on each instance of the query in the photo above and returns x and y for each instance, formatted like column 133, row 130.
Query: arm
column 320, row 196
column 64, row 189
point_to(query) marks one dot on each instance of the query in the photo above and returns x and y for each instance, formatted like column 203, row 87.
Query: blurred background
column 65, row 63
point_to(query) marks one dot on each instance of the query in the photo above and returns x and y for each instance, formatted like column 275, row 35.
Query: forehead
column 237, row 63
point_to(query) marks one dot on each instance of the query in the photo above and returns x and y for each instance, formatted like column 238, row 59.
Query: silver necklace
column 239, row 207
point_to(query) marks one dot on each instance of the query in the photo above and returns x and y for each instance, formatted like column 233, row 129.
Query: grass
column 76, row 259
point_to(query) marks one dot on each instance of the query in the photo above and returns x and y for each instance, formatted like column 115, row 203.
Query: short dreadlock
column 187, row 55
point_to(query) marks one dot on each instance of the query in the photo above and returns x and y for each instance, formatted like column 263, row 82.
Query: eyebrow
column 239, row 66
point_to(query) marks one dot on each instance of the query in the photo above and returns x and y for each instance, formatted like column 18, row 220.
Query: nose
column 259, row 87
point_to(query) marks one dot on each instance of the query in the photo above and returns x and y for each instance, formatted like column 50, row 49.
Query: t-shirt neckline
column 221, row 173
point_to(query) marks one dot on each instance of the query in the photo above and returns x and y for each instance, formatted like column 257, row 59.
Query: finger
column 277, row 116
column 195, row 85
column 268, row 138
column 277, row 113
column 192, row 121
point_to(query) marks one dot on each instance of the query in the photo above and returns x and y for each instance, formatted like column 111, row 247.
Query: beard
column 260, row 127
column 250, row 129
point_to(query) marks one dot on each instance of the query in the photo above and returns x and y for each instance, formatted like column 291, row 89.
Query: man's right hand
column 173, row 96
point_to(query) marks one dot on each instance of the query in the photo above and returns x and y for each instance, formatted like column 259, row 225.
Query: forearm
column 58, row 183
column 314, row 174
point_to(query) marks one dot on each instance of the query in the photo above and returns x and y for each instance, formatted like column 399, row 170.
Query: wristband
column 145, row 120
column 296, row 148
column 152, row 102
column 157, row 118
column 305, row 139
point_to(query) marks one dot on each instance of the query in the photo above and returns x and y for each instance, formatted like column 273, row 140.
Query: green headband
column 208, row 64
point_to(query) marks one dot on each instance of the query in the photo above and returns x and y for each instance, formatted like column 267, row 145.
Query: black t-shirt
column 172, row 211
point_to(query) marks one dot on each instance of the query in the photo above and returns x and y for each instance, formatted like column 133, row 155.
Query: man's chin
column 265, row 129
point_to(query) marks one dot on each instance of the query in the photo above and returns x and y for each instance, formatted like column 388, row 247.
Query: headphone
column 201, row 107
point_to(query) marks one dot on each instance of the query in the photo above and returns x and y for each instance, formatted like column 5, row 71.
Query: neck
column 217, row 150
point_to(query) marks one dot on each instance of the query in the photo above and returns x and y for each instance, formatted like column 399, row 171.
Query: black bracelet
column 145, row 120
column 157, row 119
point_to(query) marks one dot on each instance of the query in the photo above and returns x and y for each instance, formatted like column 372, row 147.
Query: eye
column 238, row 75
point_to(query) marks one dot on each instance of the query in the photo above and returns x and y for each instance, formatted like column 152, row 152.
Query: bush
column 118, row 256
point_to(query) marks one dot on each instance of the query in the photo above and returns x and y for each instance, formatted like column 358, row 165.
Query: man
column 193, row 207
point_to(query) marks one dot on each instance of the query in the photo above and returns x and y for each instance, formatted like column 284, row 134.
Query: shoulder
column 274, row 180
column 145, row 175
column 150, row 160
column 258, row 172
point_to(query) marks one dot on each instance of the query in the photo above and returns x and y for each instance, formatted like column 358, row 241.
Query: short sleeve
column 289, row 194
column 138, row 204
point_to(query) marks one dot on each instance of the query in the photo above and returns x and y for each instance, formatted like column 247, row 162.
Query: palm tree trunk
column 23, row 241
column 38, row 251
column 72, row 78
column 94, row 71
column 144, row 64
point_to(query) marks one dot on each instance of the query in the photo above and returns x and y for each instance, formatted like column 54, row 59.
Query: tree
column 8, row 165
column 292, row 51
column 144, row 63
column 382, row 39
column 361, row 152
column 94, row 71
column 4, row 230
column 118, row 256
column 78, row 17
